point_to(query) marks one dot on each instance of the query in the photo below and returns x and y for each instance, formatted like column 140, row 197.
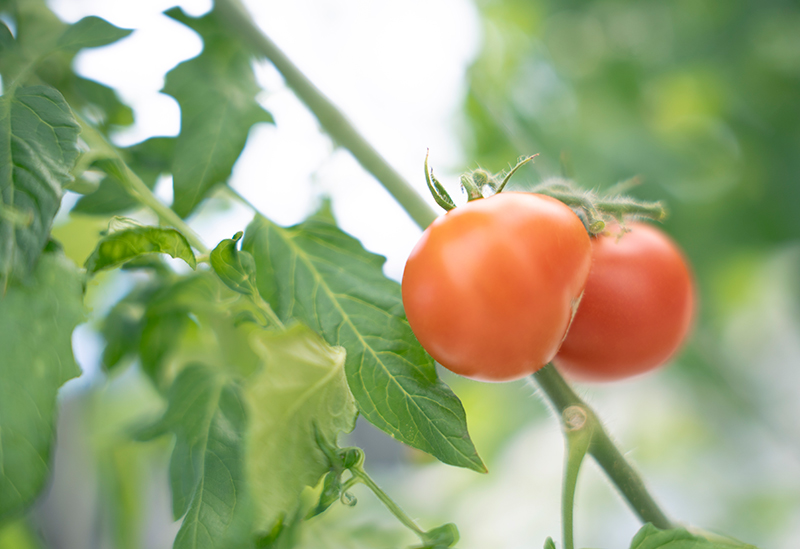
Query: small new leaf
column 36, row 324
column 130, row 241
column 650, row 537
column 235, row 268
column 90, row 32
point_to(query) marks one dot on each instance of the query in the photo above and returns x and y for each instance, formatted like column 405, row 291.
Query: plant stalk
column 603, row 450
column 136, row 186
column 333, row 121
column 395, row 509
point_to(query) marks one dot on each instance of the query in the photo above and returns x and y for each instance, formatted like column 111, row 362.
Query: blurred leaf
column 90, row 32
column 123, row 245
column 18, row 534
column 122, row 326
column 235, row 268
column 319, row 275
column 650, row 537
column 207, row 415
column 38, row 145
column 36, row 323
column 38, row 30
column 148, row 159
column 175, row 320
column 300, row 393
column 216, row 92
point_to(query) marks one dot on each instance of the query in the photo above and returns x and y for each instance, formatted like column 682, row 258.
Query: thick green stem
column 136, row 186
column 330, row 117
column 603, row 450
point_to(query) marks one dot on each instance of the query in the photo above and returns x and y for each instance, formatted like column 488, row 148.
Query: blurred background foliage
column 698, row 99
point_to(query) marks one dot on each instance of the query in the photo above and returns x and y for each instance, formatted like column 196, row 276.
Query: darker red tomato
column 489, row 288
column 637, row 308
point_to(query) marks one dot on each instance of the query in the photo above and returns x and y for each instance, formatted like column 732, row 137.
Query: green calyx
column 597, row 209
column 594, row 208
column 475, row 183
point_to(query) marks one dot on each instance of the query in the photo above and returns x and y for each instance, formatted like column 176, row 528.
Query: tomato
column 637, row 308
column 490, row 287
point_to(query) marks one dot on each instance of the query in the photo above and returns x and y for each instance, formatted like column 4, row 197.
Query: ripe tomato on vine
column 489, row 289
column 636, row 310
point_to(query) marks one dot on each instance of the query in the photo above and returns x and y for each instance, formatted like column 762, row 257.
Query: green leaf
column 650, row 537
column 38, row 33
column 321, row 276
column 206, row 413
column 90, row 32
column 38, row 148
column 300, row 392
column 122, row 327
column 177, row 320
column 148, row 159
column 124, row 245
column 235, row 268
column 216, row 92
column 36, row 324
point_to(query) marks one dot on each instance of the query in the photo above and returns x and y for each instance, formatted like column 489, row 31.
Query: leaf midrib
column 299, row 252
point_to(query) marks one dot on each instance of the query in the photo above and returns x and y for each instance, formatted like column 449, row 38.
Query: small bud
column 574, row 418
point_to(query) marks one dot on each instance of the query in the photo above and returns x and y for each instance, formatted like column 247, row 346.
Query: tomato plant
column 490, row 287
column 637, row 308
column 244, row 361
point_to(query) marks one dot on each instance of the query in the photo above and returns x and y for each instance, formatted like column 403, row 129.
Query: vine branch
column 333, row 121
column 603, row 450
column 136, row 187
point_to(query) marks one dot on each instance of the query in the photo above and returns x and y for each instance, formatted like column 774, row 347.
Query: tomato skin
column 636, row 310
column 490, row 286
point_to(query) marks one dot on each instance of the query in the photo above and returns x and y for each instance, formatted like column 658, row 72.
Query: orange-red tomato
column 637, row 308
column 490, row 287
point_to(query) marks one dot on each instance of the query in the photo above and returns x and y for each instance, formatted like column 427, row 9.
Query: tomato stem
column 579, row 425
column 335, row 123
column 603, row 450
column 101, row 148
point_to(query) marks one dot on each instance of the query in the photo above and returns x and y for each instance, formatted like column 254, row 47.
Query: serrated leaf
column 90, row 32
column 216, row 92
column 124, row 245
column 235, row 268
column 650, row 537
column 300, row 392
column 148, row 159
column 38, row 30
column 36, row 324
column 38, row 148
column 315, row 273
column 207, row 415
